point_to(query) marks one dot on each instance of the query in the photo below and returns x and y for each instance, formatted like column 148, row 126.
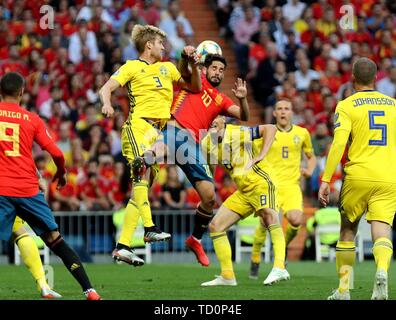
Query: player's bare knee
column 295, row 219
column 208, row 201
column 214, row 226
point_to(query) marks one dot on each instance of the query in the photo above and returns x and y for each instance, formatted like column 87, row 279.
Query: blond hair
column 142, row 34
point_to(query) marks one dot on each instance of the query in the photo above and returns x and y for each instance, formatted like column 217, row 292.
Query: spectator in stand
column 327, row 24
column 238, row 13
column 321, row 140
column 282, row 35
column 302, row 24
column 76, row 159
column 64, row 137
column 304, row 75
column 81, row 39
column 93, row 190
column 388, row 84
column 331, row 78
column 247, row 27
column 376, row 20
column 173, row 191
column 117, row 193
column 46, row 108
column 169, row 23
column 65, row 199
column 151, row 12
column 129, row 51
column 298, row 110
column 14, row 63
column 117, row 15
column 339, row 50
column 293, row 10
column 223, row 13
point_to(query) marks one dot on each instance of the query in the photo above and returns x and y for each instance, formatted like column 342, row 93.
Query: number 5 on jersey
column 9, row 132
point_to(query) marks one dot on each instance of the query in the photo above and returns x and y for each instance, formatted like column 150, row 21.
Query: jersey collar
column 141, row 60
column 291, row 128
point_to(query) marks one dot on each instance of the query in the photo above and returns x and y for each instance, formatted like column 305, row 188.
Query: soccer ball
column 205, row 47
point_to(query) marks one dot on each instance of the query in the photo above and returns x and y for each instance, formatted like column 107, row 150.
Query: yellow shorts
column 18, row 223
column 245, row 203
column 378, row 199
column 137, row 135
column 289, row 198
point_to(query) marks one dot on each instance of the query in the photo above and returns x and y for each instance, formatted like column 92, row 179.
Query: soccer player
column 192, row 115
column 285, row 158
column 31, row 256
column 150, row 89
column 233, row 147
column 366, row 121
column 19, row 192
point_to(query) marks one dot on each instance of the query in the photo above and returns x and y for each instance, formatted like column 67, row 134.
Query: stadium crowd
column 286, row 49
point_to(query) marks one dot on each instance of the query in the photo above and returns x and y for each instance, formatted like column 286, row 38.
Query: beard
column 214, row 83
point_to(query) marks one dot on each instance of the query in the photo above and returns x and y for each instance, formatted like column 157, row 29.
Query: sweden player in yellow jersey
column 285, row 158
column 150, row 89
column 232, row 146
column 366, row 121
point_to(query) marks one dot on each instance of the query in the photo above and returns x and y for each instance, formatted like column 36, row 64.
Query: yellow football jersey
column 150, row 87
column 285, row 154
column 370, row 119
column 234, row 152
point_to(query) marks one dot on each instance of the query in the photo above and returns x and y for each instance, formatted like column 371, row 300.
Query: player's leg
column 294, row 211
column 123, row 251
column 31, row 257
column 259, row 237
column 36, row 212
column 380, row 214
column 352, row 204
column 223, row 219
column 137, row 136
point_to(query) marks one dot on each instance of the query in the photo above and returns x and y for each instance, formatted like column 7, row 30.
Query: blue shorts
column 184, row 151
column 34, row 210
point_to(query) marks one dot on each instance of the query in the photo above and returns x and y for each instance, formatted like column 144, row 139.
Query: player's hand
column 60, row 176
column 305, row 173
column 240, row 90
column 324, row 194
column 43, row 185
column 108, row 110
column 253, row 162
column 191, row 56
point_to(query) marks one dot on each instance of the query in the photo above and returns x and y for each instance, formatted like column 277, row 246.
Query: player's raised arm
column 240, row 92
column 105, row 96
column 267, row 132
column 191, row 79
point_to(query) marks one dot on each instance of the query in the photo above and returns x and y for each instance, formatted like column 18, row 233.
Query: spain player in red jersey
column 192, row 115
column 19, row 189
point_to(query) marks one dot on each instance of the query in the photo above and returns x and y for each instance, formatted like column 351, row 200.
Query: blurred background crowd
column 285, row 49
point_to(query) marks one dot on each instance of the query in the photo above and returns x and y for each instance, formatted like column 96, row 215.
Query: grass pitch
column 309, row 281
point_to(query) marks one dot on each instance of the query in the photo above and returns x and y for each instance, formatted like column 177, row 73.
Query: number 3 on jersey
column 376, row 126
column 9, row 132
column 158, row 82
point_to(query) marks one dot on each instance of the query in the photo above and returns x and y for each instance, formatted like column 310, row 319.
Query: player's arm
column 105, row 96
column 190, row 75
column 267, row 132
column 46, row 143
column 240, row 112
column 342, row 125
column 308, row 151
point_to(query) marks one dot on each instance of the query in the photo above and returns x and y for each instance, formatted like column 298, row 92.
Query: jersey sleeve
column 175, row 74
column 226, row 103
column 42, row 136
column 307, row 143
column 342, row 120
column 124, row 73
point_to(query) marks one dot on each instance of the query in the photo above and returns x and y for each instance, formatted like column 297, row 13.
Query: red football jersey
column 196, row 111
column 18, row 129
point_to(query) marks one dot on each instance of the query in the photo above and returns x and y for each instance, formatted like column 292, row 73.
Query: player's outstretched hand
column 108, row 110
column 324, row 194
column 253, row 162
column 240, row 90
column 61, row 178
column 190, row 53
